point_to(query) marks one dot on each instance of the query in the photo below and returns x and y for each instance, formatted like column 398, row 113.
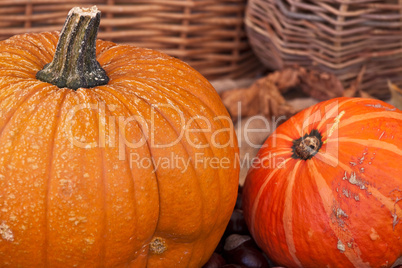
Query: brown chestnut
column 241, row 249
column 239, row 198
column 215, row 261
column 233, row 266
column 219, row 247
column 237, row 224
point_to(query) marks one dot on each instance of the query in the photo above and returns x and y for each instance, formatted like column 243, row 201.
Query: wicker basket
column 339, row 36
column 207, row 34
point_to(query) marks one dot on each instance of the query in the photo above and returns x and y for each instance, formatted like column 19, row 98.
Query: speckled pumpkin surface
column 109, row 176
column 328, row 187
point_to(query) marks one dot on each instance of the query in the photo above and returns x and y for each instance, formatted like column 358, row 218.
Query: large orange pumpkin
column 128, row 162
column 326, row 187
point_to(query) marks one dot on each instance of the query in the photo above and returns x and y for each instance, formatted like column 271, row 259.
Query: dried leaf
column 241, row 102
column 285, row 79
column 262, row 97
column 222, row 85
column 396, row 95
column 364, row 94
column 354, row 89
column 320, row 85
column 272, row 103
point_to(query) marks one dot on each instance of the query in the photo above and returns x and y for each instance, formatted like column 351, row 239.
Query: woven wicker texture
column 207, row 34
column 339, row 36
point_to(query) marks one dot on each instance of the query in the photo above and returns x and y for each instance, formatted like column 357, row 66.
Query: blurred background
column 209, row 35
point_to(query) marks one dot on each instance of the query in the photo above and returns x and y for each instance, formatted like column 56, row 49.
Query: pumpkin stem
column 74, row 64
column 306, row 147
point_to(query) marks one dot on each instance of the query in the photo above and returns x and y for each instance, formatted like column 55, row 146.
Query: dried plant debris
column 396, row 95
column 355, row 89
column 265, row 95
column 262, row 97
column 285, row 79
column 320, row 85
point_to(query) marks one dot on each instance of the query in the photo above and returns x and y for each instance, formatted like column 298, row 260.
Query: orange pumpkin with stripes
column 326, row 188
column 101, row 154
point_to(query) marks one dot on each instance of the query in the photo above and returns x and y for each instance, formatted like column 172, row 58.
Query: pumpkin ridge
column 8, row 91
column 330, row 116
column 171, row 63
column 389, row 204
column 45, row 41
column 12, row 49
column 46, row 206
column 109, row 90
column 33, row 40
column 387, row 201
column 178, row 67
column 268, row 156
column 52, row 37
column 161, row 114
column 287, row 214
column 175, row 67
column 260, row 191
column 104, row 231
column 189, row 96
column 27, row 97
column 209, row 112
column 176, row 89
column 79, row 159
column 150, row 151
column 367, row 116
column 17, row 70
column 169, row 123
column 296, row 127
column 383, row 200
column 118, row 127
column 321, row 184
column 125, row 92
column 40, row 103
column 171, row 100
column 283, row 137
column 182, row 88
column 374, row 143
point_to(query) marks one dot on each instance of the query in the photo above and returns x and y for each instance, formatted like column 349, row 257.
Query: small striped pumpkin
column 326, row 187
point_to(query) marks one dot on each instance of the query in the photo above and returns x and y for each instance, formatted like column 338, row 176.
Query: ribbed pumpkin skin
column 341, row 207
column 63, row 205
